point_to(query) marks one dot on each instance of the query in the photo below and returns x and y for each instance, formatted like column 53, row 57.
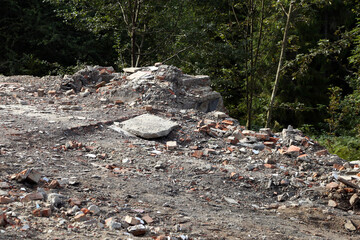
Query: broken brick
column 54, row 184
column 132, row 221
column 171, row 145
column 232, row 140
column 332, row 185
column 3, row 220
column 228, row 122
column 5, row 200
column 271, row 166
column 262, row 136
column 269, row 144
column 81, row 217
column 147, row 219
column 293, row 150
column 321, row 153
column 42, row 212
column 74, row 201
column 28, row 175
column 198, row 153
column 32, row 197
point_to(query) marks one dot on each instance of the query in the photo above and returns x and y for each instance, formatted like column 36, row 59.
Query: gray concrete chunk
column 149, row 126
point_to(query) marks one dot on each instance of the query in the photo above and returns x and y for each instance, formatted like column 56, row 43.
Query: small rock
column 137, row 230
column 28, row 175
column 4, row 185
column 81, row 217
column 41, row 92
column 94, row 209
column 230, row 200
column 132, row 221
column 282, row 197
column 147, row 219
column 332, row 203
column 350, row 226
column 171, row 145
column 112, row 224
column 332, row 185
column 354, row 199
column 56, row 200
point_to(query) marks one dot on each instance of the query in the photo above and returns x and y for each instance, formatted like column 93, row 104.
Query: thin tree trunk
column 251, row 79
column 277, row 77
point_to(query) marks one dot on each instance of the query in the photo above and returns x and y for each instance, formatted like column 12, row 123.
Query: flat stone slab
column 149, row 126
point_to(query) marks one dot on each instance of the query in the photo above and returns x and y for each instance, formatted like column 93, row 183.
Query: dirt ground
column 186, row 197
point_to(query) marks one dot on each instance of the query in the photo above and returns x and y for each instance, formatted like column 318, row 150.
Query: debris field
column 150, row 153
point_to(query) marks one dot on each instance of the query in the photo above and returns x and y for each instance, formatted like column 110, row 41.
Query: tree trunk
column 277, row 77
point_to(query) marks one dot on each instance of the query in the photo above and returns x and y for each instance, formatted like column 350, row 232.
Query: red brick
column 32, row 196
column 293, row 149
column 5, row 200
column 332, row 185
column 74, row 201
column 262, row 136
column 81, row 217
column 338, row 167
column 147, row 219
column 198, row 154
column 273, row 139
column 228, row 122
column 269, row 144
column 3, row 220
column 322, row 153
column 54, row 184
column 267, row 165
column 42, row 212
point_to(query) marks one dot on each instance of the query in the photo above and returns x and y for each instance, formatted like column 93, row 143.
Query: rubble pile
column 149, row 153
column 155, row 85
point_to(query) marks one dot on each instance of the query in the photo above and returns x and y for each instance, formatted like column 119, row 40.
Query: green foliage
column 35, row 41
column 345, row 147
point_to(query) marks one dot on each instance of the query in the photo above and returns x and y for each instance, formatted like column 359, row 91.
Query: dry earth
column 179, row 195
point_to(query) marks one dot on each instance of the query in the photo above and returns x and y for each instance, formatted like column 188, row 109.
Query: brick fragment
column 52, row 92
column 148, row 219
column 32, row 197
column 232, row 140
column 100, row 84
column 54, row 184
column 131, row 220
column 332, row 185
column 81, row 217
column 228, row 122
column 262, row 136
column 269, row 144
column 28, row 175
column 42, row 212
column 5, row 200
column 322, row 153
column 148, row 108
column 40, row 92
column 74, row 202
column 171, row 145
column 3, row 220
column 198, row 153
column 270, row 166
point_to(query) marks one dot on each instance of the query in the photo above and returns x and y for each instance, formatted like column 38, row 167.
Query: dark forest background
column 309, row 51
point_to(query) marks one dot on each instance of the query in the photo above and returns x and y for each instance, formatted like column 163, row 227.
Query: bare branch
column 123, row 14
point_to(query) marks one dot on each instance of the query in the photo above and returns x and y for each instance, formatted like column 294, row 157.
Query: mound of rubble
column 156, row 85
column 150, row 154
